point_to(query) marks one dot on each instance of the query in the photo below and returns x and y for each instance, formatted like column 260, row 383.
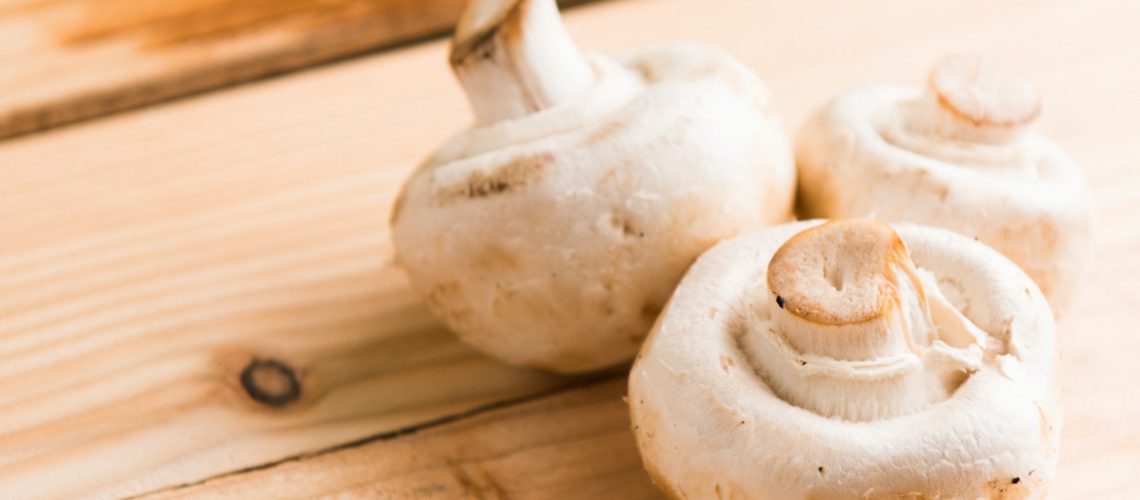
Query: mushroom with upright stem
column 959, row 155
column 850, row 359
column 551, row 232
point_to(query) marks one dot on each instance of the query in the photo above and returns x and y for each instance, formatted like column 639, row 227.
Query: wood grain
column 62, row 61
column 147, row 258
column 135, row 292
column 575, row 444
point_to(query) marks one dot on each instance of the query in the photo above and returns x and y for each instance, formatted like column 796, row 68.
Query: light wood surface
column 574, row 444
column 146, row 259
column 67, row 60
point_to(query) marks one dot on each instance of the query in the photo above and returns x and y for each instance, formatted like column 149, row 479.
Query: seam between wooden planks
column 588, row 381
column 335, row 42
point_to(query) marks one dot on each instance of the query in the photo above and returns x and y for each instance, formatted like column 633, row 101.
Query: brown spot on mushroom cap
column 943, row 192
column 1008, row 488
column 625, row 225
column 493, row 259
column 442, row 298
column 800, row 272
column 726, row 363
column 923, row 182
column 645, row 70
column 982, row 95
column 517, row 172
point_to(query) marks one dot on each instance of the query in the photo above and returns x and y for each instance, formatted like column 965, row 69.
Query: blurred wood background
column 197, row 298
column 63, row 61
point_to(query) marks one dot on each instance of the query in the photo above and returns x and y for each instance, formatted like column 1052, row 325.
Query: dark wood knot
column 270, row 382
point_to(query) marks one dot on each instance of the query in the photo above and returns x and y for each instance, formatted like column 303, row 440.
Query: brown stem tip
column 514, row 58
column 982, row 95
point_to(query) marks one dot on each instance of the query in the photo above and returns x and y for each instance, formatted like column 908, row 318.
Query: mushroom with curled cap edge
column 551, row 232
column 850, row 359
column 959, row 155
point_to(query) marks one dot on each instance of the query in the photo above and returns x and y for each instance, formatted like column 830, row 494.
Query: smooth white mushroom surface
column 551, row 233
column 850, row 359
column 959, row 154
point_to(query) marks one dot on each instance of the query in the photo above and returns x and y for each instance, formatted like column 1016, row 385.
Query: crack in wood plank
column 582, row 431
column 587, row 381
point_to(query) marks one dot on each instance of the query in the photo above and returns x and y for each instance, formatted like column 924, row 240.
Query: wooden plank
column 134, row 292
column 575, row 444
column 147, row 258
column 63, row 61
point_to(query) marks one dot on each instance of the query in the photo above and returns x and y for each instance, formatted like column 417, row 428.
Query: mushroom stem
column 848, row 290
column 853, row 331
column 968, row 101
column 514, row 58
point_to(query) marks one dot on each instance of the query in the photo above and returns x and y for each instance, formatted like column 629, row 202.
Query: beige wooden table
column 149, row 260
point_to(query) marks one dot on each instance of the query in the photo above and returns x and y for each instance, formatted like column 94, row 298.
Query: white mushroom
column 848, row 360
column 551, row 232
column 959, row 155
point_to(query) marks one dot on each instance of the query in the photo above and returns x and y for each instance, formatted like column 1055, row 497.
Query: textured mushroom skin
column 554, row 240
column 708, row 425
column 1027, row 199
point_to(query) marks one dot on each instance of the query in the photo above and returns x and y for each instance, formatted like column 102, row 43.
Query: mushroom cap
column 959, row 155
column 553, row 240
column 712, row 421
